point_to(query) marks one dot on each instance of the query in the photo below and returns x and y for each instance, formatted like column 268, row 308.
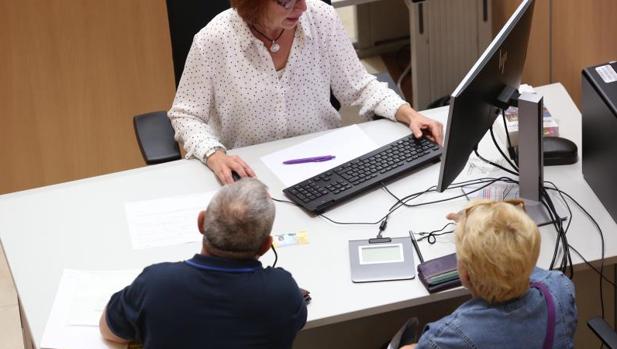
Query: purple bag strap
column 550, row 309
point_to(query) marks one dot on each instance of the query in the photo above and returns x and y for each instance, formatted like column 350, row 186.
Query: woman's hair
column 498, row 245
column 251, row 11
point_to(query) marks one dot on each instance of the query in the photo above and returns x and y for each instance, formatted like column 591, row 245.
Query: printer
column 599, row 113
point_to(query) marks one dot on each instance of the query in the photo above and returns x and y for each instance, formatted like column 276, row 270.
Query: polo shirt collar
column 228, row 265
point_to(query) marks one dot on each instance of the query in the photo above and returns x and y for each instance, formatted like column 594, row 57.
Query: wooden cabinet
column 583, row 33
column 72, row 75
column 567, row 36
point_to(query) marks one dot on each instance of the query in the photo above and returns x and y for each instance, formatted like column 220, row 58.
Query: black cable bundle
column 564, row 264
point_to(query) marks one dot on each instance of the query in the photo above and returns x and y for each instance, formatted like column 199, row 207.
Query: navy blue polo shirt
column 209, row 302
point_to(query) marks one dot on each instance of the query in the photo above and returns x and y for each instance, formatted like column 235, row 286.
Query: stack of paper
column 79, row 303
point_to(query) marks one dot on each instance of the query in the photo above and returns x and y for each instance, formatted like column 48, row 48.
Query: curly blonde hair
column 498, row 245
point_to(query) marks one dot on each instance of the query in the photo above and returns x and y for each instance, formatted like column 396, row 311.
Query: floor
column 10, row 323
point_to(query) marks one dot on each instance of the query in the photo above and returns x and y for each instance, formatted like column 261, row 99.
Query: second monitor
column 488, row 88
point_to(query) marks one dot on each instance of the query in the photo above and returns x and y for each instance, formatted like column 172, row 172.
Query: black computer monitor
column 475, row 103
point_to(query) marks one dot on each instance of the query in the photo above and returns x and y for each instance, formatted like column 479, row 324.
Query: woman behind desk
column 263, row 70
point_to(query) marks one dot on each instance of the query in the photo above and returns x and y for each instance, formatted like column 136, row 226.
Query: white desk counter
column 82, row 225
column 343, row 3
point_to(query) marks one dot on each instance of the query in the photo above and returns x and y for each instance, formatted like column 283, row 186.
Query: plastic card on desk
column 290, row 239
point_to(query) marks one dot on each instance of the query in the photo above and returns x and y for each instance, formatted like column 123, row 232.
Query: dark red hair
column 251, row 11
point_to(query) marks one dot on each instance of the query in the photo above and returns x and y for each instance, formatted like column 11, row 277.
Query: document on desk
column 166, row 221
column 79, row 303
column 344, row 143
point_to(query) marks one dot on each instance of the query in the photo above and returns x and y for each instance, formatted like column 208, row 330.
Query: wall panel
column 72, row 73
column 583, row 35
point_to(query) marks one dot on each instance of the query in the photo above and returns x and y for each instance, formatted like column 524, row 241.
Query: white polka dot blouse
column 230, row 94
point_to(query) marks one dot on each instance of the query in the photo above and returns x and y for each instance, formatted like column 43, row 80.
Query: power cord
column 276, row 256
column 431, row 236
column 566, row 262
column 602, row 242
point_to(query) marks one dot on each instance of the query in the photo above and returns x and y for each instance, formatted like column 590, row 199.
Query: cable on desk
column 595, row 223
column 505, row 127
column 565, row 265
column 404, row 201
column 501, row 151
column 431, row 236
column 284, row 201
column 493, row 163
column 566, row 261
column 382, row 227
column 276, row 256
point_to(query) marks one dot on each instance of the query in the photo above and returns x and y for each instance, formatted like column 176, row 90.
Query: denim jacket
column 520, row 323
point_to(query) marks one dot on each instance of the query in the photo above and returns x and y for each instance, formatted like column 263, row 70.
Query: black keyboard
column 320, row 193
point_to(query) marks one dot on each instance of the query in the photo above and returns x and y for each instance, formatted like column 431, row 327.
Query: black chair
column 407, row 334
column 604, row 331
column 154, row 132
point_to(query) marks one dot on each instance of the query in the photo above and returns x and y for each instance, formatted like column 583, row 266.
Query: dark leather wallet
column 439, row 274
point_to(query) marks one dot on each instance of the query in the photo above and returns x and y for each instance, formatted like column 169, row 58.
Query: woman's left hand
column 420, row 125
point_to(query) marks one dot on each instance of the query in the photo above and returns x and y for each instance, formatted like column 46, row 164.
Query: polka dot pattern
column 230, row 94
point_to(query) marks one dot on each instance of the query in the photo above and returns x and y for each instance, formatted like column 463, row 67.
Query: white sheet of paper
column 166, row 221
column 79, row 303
column 345, row 143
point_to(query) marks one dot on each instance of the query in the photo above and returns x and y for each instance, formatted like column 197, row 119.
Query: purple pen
column 311, row 159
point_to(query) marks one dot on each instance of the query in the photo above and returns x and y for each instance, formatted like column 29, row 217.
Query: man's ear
column 200, row 221
column 265, row 246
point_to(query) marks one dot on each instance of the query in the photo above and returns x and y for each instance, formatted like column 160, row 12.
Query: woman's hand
column 222, row 165
column 455, row 216
column 420, row 125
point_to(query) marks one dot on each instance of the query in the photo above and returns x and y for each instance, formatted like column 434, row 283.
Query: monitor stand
column 531, row 157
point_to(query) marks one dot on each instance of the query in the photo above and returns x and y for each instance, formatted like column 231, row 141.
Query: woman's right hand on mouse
column 222, row 165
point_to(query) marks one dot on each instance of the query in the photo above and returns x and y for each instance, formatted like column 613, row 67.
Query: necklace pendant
column 275, row 47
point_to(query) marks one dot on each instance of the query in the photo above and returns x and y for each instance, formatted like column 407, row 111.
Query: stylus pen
column 415, row 245
column 311, row 159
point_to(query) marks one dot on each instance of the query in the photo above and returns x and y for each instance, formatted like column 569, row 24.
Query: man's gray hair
column 239, row 218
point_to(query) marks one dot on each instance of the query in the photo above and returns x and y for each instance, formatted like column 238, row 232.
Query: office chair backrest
column 154, row 132
column 186, row 18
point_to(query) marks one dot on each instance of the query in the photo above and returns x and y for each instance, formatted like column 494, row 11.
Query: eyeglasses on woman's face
column 287, row 4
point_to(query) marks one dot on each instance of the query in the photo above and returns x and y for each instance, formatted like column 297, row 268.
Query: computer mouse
column 235, row 176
